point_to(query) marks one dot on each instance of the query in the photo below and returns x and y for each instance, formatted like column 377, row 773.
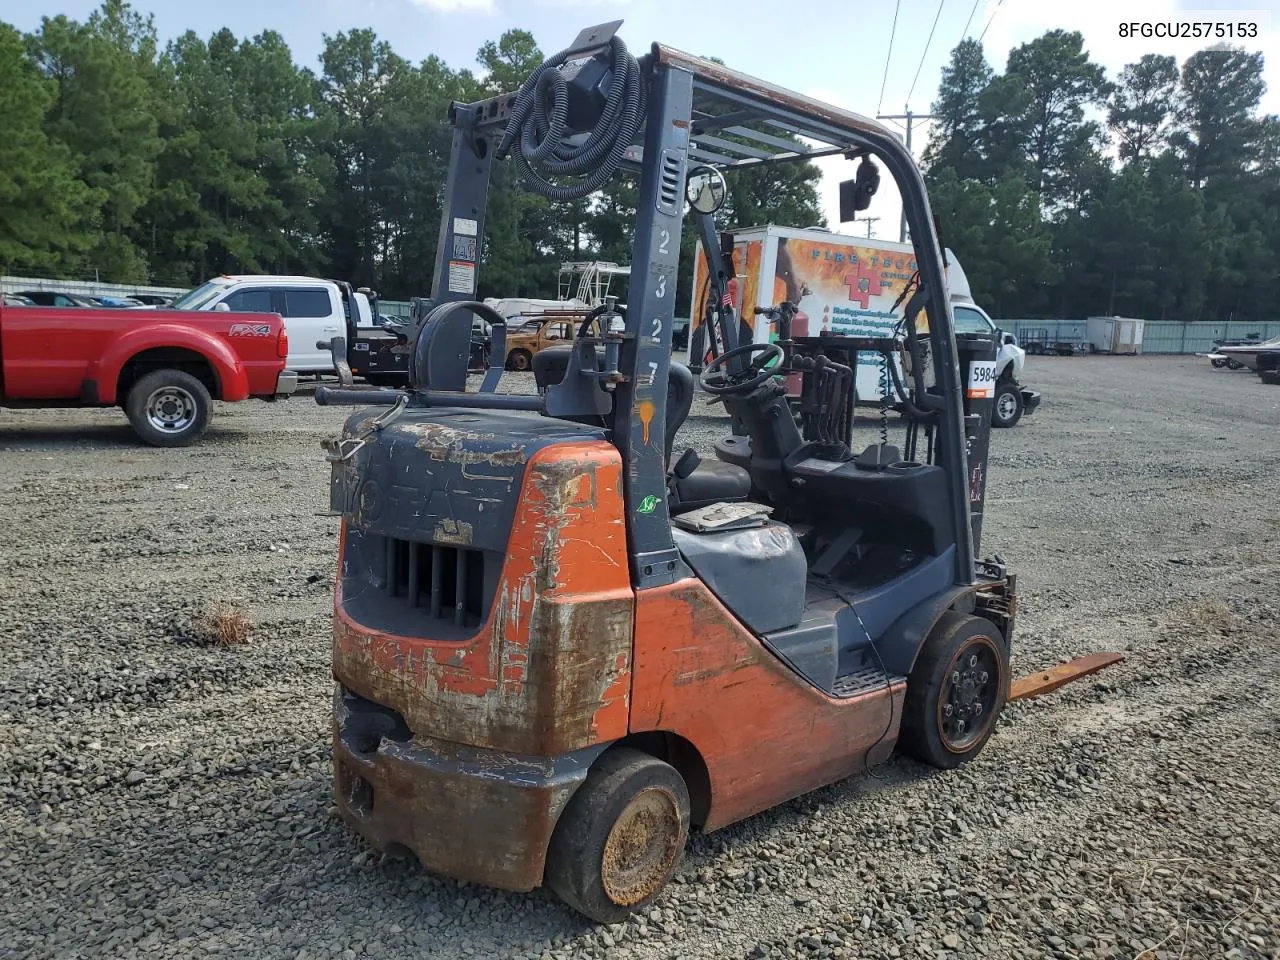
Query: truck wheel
column 956, row 691
column 621, row 836
column 169, row 408
column 1006, row 409
column 519, row 360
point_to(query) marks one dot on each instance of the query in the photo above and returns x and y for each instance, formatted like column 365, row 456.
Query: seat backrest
column 549, row 368
column 680, row 391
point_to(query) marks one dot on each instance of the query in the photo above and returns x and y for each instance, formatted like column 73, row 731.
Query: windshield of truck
column 200, row 296
column 969, row 320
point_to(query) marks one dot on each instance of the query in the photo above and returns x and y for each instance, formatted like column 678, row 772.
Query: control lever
column 337, row 348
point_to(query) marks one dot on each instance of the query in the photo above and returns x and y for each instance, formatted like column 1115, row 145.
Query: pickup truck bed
column 164, row 367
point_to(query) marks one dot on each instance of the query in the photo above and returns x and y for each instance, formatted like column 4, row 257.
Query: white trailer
column 1114, row 334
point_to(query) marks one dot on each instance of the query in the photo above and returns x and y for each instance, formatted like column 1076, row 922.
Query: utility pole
column 909, row 117
column 868, row 221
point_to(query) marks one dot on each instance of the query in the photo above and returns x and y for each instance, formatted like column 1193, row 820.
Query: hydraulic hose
column 538, row 127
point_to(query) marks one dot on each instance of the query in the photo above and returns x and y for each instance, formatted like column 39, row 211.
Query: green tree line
column 134, row 163
column 1063, row 192
column 1154, row 194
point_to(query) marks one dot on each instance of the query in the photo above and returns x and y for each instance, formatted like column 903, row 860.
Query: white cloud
column 450, row 6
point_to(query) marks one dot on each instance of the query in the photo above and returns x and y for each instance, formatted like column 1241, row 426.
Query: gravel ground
column 165, row 797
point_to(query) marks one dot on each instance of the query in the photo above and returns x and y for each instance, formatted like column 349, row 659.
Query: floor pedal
column 862, row 681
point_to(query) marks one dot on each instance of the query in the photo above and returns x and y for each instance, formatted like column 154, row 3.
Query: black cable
column 537, row 128
column 941, row 3
column 965, row 32
column 888, row 685
column 992, row 17
column 888, row 55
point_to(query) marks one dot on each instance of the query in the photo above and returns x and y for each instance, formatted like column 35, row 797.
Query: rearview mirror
column 856, row 194
column 705, row 189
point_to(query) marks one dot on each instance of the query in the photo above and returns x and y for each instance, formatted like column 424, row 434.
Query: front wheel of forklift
column 956, row 690
column 621, row 836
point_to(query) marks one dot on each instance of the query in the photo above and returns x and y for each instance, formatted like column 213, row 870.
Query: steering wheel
column 757, row 372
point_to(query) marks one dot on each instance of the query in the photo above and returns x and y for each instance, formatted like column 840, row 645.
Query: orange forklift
column 559, row 645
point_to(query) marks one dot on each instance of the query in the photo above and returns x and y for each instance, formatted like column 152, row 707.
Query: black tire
column 1006, row 407
column 620, row 837
column 1217, row 364
column 169, row 408
column 519, row 360
column 936, row 726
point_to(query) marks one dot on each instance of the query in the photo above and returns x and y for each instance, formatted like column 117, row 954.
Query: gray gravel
column 162, row 797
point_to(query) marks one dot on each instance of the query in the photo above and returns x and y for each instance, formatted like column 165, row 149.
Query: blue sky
column 835, row 51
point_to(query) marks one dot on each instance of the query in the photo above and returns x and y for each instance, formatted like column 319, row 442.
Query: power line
column 941, row 3
column 910, row 118
column 892, row 32
column 999, row 4
column 974, row 9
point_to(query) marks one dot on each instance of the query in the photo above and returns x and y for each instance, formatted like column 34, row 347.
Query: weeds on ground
column 223, row 624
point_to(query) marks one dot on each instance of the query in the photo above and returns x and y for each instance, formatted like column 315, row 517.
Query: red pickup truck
column 164, row 367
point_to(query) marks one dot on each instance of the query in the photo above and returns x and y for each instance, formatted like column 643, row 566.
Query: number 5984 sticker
column 982, row 380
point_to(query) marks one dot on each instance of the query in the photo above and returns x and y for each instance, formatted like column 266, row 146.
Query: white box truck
column 845, row 284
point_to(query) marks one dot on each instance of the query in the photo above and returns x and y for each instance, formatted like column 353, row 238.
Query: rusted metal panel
column 765, row 734
column 548, row 672
column 1046, row 681
column 475, row 815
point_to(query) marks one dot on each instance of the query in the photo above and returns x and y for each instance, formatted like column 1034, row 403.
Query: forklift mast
column 692, row 104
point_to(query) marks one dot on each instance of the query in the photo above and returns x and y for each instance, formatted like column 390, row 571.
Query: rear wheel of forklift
column 956, row 691
column 621, row 836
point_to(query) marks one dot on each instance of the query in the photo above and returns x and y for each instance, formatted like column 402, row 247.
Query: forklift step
column 863, row 681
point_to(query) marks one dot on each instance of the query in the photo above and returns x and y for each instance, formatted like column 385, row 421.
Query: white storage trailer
column 1114, row 334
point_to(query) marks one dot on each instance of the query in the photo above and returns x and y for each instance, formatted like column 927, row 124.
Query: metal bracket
column 593, row 39
column 339, row 451
column 344, row 448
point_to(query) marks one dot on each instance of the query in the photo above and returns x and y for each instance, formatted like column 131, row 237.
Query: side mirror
column 1010, row 340
column 705, row 189
column 221, row 307
column 856, row 194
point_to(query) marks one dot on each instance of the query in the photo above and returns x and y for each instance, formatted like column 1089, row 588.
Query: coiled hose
column 538, row 125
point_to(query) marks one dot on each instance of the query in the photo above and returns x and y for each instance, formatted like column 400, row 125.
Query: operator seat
column 693, row 482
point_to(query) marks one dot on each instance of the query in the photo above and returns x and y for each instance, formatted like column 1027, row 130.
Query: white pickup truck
column 313, row 310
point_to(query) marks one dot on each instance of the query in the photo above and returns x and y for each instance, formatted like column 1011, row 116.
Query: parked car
column 152, row 299
column 534, row 335
column 120, row 302
column 680, row 333
column 56, row 298
column 18, row 300
column 165, row 368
